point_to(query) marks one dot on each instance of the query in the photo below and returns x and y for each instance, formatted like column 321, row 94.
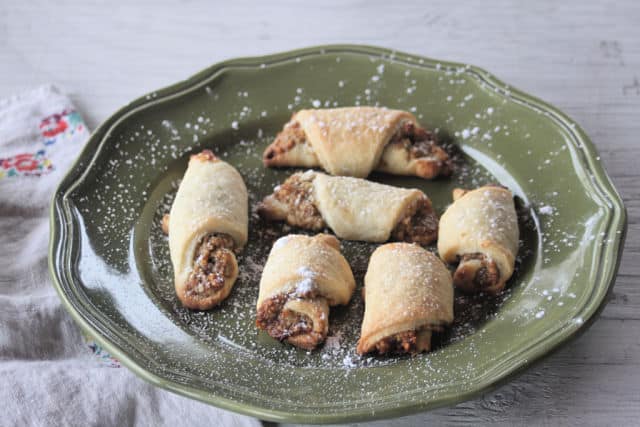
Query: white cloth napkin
column 49, row 374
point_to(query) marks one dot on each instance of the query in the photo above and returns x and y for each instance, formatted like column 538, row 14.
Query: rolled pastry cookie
column 354, row 141
column 354, row 208
column 480, row 232
column 408, row 294
column 207, row 224
column 302, row 278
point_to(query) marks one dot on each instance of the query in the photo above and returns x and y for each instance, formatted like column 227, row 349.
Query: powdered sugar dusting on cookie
column 140, row 163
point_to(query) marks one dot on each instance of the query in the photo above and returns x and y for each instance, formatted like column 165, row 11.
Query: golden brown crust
column 205, row 155
column 458, row 193
column 291, row 135
column 164, row 224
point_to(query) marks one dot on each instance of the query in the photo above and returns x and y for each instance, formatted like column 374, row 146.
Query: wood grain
column 583, row 57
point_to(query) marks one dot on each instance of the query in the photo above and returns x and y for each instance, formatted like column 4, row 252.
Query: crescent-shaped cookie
column 354, row 141
column 408, row 295
column 207, row 224
column 354, row 208
column 302, row 278
column 479, row 231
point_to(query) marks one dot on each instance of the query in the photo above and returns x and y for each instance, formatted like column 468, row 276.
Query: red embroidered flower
column 53, row 125
column 22, row 162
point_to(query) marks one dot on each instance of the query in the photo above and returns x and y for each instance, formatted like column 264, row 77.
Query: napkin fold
column 49, row 373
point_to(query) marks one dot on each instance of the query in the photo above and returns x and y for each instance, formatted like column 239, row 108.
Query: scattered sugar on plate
column 348, row 362
column 332, row 342
column 546, row 210
column 237, row 318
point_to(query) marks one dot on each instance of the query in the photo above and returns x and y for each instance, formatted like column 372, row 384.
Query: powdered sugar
column 546, row 210
column 306, row 272
column 308, row 281
column 305, row 286
column 332, row 343
column 349, row 362
column 161, row 154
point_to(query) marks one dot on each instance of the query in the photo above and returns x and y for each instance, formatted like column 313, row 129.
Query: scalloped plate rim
column 593, row 306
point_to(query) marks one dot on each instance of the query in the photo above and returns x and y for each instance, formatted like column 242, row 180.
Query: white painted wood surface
column 582, row 56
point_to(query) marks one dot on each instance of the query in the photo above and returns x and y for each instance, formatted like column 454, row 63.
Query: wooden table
column 582, row 56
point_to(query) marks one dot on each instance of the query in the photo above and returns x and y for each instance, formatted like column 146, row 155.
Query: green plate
column 110, row 262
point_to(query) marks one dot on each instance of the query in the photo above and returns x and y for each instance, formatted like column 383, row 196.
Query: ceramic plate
column 110, row 261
